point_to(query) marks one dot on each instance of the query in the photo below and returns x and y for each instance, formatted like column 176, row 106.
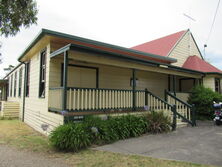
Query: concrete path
column 201, row 144
column 10, row 157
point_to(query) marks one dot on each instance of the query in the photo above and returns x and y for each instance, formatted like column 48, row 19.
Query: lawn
column 16, row 134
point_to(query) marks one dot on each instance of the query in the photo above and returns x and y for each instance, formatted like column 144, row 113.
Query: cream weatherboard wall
column 36, row 109
column 13, row 94
column 154, row 82
column 184, row 48
column 209, row 82
column 110, row 77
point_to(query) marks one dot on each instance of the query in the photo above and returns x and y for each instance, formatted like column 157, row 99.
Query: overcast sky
column 122, row 22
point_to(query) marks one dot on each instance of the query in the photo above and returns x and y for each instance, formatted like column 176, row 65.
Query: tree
column 16, row 13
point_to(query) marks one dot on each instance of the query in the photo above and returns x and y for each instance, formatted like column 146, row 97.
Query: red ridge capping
column 161, row 46
column 196, row 63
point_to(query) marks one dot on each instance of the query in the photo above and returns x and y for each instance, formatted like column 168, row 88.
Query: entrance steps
column 9, row 109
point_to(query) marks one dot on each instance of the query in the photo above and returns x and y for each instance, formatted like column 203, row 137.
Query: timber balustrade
column 157, row 104
column 83, row 99
column 185, row 111
column 98, row 99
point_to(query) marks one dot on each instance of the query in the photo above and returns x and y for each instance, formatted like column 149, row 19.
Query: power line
column 211, row 28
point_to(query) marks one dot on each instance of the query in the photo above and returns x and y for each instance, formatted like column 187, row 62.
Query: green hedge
column 203, row 99
column 94, row 130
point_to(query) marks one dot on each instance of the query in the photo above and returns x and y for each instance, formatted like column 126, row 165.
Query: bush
column 203, row 99
column 115, row 128
column 94, row 130
column 128, row 126
column 158, row 122
column 70, row 137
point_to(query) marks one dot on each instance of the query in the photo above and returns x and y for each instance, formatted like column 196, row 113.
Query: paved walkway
column 202, row 144
column 10, row 157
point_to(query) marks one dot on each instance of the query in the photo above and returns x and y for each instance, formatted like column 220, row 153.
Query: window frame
column 42, row 73
column 11, row 85
column 27, row 87
column 15, row 83
column 20, row 82
column 217, row 87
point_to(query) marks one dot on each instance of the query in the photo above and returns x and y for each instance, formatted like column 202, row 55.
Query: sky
column 122, row 22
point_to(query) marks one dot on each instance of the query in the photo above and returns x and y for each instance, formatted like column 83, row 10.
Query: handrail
column 165, row 102
column 55, row 88
column 193, row 120
column 97, row 89
column 184, row 118
column 170, row 107
column 168, row 93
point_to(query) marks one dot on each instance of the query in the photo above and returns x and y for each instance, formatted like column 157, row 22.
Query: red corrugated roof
column 161, row 46
column 196, row 63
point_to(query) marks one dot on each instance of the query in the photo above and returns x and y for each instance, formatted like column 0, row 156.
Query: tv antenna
column 190, row 19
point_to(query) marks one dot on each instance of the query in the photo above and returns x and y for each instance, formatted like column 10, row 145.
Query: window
column 42, row 74
column 27, row 79
column 20, row 82
column 217, row 85
column 15, row 83
column 11, row 85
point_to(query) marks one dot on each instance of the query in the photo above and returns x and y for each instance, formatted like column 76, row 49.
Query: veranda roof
column 195, row 63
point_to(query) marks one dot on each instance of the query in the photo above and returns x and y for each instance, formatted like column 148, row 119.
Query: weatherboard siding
column 36, row 109
column 209, row 82
column 154, row 82
column 110, row 77
column 16, row 98
column 182, row 51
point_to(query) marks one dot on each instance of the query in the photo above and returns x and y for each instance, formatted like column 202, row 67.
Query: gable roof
column 195, row 63
column 161, row 46
column 130, row 53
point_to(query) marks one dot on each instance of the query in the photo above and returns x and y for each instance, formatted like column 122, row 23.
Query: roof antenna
column 190, row 19
column 205, row 45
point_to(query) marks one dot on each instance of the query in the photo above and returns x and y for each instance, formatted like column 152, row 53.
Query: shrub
column 104, row 134
column 128, row 126
column 70, row 137
column 203, row 99
column 94, row 130
column 115, row 128
column 158, row 122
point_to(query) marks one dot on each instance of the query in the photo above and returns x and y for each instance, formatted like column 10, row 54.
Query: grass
column 17, row 134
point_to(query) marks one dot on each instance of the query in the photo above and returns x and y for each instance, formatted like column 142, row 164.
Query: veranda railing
column 98, row 99
column 185, row 111
column 84, row 99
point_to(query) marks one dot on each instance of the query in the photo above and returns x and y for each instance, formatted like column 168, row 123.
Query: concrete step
column 182, row 124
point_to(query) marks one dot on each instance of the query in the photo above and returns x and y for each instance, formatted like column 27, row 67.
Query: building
column 61, row 77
